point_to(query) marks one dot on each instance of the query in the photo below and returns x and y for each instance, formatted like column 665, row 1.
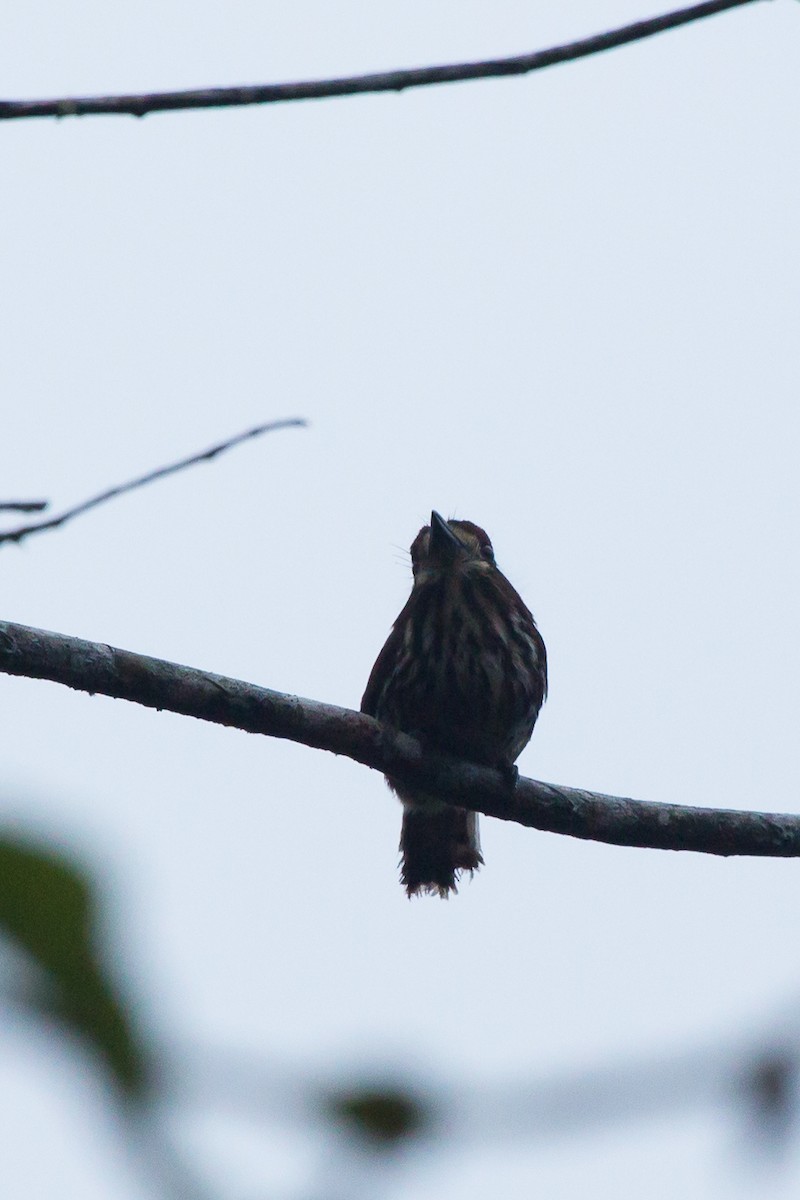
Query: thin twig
column 91, row 667
column 23, row 531
column 23, row 505
column 137, row 105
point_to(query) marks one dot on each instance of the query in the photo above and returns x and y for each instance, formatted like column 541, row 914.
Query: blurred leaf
column 47, row 907
column 770, row 1087
column 382, row 1117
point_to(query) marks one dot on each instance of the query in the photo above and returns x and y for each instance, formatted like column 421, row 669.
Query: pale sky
column 564, row 307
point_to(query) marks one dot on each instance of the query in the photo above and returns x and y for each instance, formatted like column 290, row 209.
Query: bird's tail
column 436, row 844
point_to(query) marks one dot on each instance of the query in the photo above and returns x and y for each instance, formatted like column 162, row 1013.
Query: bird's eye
column 487, row 552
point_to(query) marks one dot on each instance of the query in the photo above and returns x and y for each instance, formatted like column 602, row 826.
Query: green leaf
column 47, row 907
column 382, row 1117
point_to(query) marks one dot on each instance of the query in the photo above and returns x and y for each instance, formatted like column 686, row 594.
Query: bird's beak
column 445, row 544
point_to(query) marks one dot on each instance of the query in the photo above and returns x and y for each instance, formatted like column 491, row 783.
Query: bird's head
column 450, row 547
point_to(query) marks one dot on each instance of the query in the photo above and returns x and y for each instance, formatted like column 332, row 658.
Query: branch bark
column 24, row 531
column 138, row 105
column 94, row 668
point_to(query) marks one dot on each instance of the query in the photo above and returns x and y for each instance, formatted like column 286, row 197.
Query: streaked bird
column 465, row 671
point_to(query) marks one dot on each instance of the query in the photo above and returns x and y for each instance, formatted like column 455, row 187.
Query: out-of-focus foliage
column 47, row 907
column 381, row 1117
column 770, row 1088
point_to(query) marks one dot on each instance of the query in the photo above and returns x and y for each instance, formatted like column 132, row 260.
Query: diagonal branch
column 387, row 81
column 23, row 531
column 90, row 667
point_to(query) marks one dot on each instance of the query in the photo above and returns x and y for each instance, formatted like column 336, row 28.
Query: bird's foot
column 510, row 773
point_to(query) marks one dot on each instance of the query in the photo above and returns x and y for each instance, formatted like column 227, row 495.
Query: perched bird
column 465, row 671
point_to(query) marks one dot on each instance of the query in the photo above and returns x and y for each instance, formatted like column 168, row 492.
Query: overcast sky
column 564, row 307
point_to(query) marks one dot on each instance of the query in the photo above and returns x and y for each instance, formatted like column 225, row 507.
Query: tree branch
column 90, row 667
column 23, row 531
column 387, row 81
column 23, row 505
column 724, row 1071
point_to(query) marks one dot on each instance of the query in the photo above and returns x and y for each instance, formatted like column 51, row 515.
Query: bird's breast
column 468, row 661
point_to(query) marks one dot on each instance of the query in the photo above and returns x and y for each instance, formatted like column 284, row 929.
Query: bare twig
column 90, row 667
column 23, row 531
column 23, row 506
column 387, row 81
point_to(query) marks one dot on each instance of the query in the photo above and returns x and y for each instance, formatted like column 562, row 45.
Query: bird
column 464, row 670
